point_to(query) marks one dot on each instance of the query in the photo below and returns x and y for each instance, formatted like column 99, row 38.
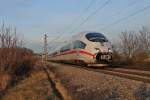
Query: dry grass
column 4, row 81
column 36, row 87
column 142, row 93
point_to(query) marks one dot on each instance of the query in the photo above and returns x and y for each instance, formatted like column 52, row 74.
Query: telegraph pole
column 45, row 48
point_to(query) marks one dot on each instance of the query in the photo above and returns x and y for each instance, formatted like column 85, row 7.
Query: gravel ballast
column 88, row 85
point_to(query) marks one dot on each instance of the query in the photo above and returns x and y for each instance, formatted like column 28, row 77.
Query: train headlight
column 97, row 50
column 109, row 50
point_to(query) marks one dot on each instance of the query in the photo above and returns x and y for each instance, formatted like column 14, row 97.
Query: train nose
column 103, row 57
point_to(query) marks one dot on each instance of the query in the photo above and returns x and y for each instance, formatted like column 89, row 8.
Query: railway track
column 136, row 75
column 127, row 74
column 131, row 71
column 130, row 74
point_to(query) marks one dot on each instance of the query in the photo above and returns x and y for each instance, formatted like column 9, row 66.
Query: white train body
column 85, row 47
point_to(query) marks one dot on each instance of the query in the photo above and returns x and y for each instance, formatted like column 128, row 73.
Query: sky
column 64, row 18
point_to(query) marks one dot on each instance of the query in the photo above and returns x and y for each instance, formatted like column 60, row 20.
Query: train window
column 65, row 48
column 96, row 37
column 78, row 45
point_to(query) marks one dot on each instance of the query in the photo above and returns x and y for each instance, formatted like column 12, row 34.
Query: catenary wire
column 117, row 13
column 91, row 15
column 75, row 20
column 126, row 17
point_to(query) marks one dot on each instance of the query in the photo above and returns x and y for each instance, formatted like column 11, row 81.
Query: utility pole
column 45, row 58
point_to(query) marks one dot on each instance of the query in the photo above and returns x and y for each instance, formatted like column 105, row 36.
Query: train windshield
column 96, row 37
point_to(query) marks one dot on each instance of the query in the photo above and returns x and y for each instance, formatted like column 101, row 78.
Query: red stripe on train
column 86, row 53
column 74, row 51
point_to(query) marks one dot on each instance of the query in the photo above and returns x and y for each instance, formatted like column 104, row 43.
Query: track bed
column 86, row 84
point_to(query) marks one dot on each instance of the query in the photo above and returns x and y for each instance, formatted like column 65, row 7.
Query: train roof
column 82, row 35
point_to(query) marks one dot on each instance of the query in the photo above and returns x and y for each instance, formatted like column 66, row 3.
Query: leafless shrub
column 15, row 60
column 144, row 40
column 129, row 45
column 144, row 46
column 8, row 45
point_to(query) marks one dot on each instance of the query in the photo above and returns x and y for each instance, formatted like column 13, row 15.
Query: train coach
column 88, row 48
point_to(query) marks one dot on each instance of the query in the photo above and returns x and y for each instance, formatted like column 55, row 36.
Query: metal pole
column 45, row 47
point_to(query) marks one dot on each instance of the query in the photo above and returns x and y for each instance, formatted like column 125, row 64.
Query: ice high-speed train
column 85, row 48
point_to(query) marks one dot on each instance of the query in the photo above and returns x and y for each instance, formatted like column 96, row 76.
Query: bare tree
column 144, row 40
column 8, row 38
column 129, row 44
column 16, row 62
column 9, row 44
